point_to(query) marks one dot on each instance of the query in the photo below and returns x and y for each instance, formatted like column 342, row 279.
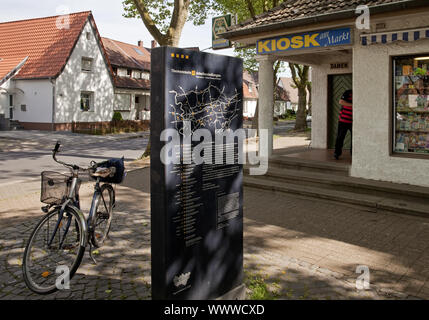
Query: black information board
column 196, row 210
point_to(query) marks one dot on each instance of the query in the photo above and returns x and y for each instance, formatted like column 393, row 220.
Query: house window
column 87, row 64
column 23, row 107
column 145, row 76
column 86, row 101
column 411, row 104
column 88, row 36
column 115, row 71
column 137, row 99
column 129, row 72
column 250, row 88
column 11, row 100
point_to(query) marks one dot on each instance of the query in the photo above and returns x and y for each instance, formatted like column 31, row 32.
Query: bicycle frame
column 72, row 202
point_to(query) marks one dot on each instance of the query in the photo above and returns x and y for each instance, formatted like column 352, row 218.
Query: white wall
column 372, row 74
column 37, row 97
column 4, row 99
column 73, row 80
column 249, row 107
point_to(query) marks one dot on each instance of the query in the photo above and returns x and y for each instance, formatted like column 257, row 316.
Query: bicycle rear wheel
column 103, row 214
column 49, row 254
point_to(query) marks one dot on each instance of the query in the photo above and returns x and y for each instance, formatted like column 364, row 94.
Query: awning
column 13, row 71
column 11, row 91
column 393, row 36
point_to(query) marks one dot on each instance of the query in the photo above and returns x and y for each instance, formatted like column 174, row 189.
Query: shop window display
column 411, row 104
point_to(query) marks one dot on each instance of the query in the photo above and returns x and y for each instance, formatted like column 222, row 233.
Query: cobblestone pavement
column 330, row 241
column 123, row 264
column 33, row 138
column 296, row 248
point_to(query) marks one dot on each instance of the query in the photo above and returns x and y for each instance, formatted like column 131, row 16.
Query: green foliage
column 258, row 287
column 162, row 11
column 289, row 115
column 245, row 10
column 117, row 116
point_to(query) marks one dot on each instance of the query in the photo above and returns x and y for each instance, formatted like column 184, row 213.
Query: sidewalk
column 27, row 139
column 295, row 248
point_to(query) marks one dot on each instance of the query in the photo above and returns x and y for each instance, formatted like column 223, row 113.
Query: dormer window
column 87, row 64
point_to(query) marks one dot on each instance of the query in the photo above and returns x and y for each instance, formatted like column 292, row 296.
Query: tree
column 245, row 10
column 165, row 20
column 310, row 98
column 301, row 80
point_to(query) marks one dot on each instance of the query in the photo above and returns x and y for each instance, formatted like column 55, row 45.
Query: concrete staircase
column 331, row 181
column 15, row 125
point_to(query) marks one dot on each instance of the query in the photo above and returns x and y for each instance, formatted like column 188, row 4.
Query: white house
column 66, row 79
column 131, row 74
column 251, row 95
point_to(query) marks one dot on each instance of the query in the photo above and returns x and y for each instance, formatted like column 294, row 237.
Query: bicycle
column 62, row 235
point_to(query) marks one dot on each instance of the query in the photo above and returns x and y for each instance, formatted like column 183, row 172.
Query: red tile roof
column 7, row 65
column 126, row 55
column 281, row 94
column 47, row 47
column 247, row 93
column 300, row 10
column 131, row 83
column 288, row 86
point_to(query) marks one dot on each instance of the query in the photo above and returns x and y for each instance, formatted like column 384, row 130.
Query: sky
column 109, row 20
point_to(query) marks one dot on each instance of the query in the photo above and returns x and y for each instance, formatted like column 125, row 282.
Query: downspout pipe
column 53, row 82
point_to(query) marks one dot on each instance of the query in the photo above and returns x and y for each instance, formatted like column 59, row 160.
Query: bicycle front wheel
column 54, row 251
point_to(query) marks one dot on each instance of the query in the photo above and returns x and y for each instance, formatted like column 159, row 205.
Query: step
column 356, row 185
column 12, row 127
column 286, row 162
column 362, row 200
column 15, row 125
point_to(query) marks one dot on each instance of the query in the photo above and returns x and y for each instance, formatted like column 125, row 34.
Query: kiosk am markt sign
column 220, row 25
column 196, row 210
column 309, row 40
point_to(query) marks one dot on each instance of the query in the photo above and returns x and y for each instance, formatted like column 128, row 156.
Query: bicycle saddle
column 104, row 172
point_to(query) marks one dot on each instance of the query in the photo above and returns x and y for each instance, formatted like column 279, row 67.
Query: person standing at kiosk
column 345, row 122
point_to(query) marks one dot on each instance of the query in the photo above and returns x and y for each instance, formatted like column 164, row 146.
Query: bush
column 290, row 113
column 117, row 116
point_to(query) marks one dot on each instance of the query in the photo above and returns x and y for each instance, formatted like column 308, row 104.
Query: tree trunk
column 310, row 98
column 301, row 116
column 171, row 38
column 255, row 120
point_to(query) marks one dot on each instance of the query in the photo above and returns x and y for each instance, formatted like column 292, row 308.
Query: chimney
column 140, row 43
column 154, row 44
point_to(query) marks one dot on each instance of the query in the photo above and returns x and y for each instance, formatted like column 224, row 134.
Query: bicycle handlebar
column 57, row 147
column 71, row 166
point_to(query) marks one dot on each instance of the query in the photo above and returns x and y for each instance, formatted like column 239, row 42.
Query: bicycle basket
column 55, row 186
column 119, row 173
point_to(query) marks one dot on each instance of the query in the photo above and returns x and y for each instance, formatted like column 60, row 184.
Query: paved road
column 26, row 153
column 284, row 126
